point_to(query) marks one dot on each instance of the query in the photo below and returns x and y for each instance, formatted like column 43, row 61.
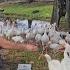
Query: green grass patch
column 26, row 10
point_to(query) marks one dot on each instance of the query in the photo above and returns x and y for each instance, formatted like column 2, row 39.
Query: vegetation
column 26, row 11
column 14, row 57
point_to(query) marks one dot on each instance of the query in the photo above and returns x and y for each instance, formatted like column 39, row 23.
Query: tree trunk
column 30, row 1
column 5, row 0
column 68, row 11
column 55, row 13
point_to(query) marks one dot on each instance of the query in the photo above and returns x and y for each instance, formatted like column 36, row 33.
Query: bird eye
column 68, row 53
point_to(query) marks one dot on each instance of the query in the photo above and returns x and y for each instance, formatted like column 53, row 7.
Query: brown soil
column 4, row 43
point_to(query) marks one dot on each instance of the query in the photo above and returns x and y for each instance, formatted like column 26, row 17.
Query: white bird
column 34, row 24
column 54, row 26
column 55, row 38
column 18, row 39
column 65, row 63
column 16, row 31
column 38, row 37
column 62, row 42
column 53, row 64
column 54, row 46
column 1, row 28
column 27, row 31
column 45, row 37
column 9, row 32
column 44, row 40
column 67, row 38
column 51, row 32
column 30, row 35
column 40, row 30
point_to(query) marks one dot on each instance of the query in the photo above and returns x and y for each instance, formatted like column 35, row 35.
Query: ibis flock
column 39, row 32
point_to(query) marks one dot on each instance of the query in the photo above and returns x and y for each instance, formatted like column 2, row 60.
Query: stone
column 24, row 67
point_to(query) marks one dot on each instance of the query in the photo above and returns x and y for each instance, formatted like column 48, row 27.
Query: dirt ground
column 4, row 43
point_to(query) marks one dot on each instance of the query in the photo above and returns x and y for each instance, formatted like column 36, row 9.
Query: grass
column 14, row 57
column 26, row 10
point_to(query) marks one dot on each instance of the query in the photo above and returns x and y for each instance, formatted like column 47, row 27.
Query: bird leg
column 41, row 52
column 40, row 56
